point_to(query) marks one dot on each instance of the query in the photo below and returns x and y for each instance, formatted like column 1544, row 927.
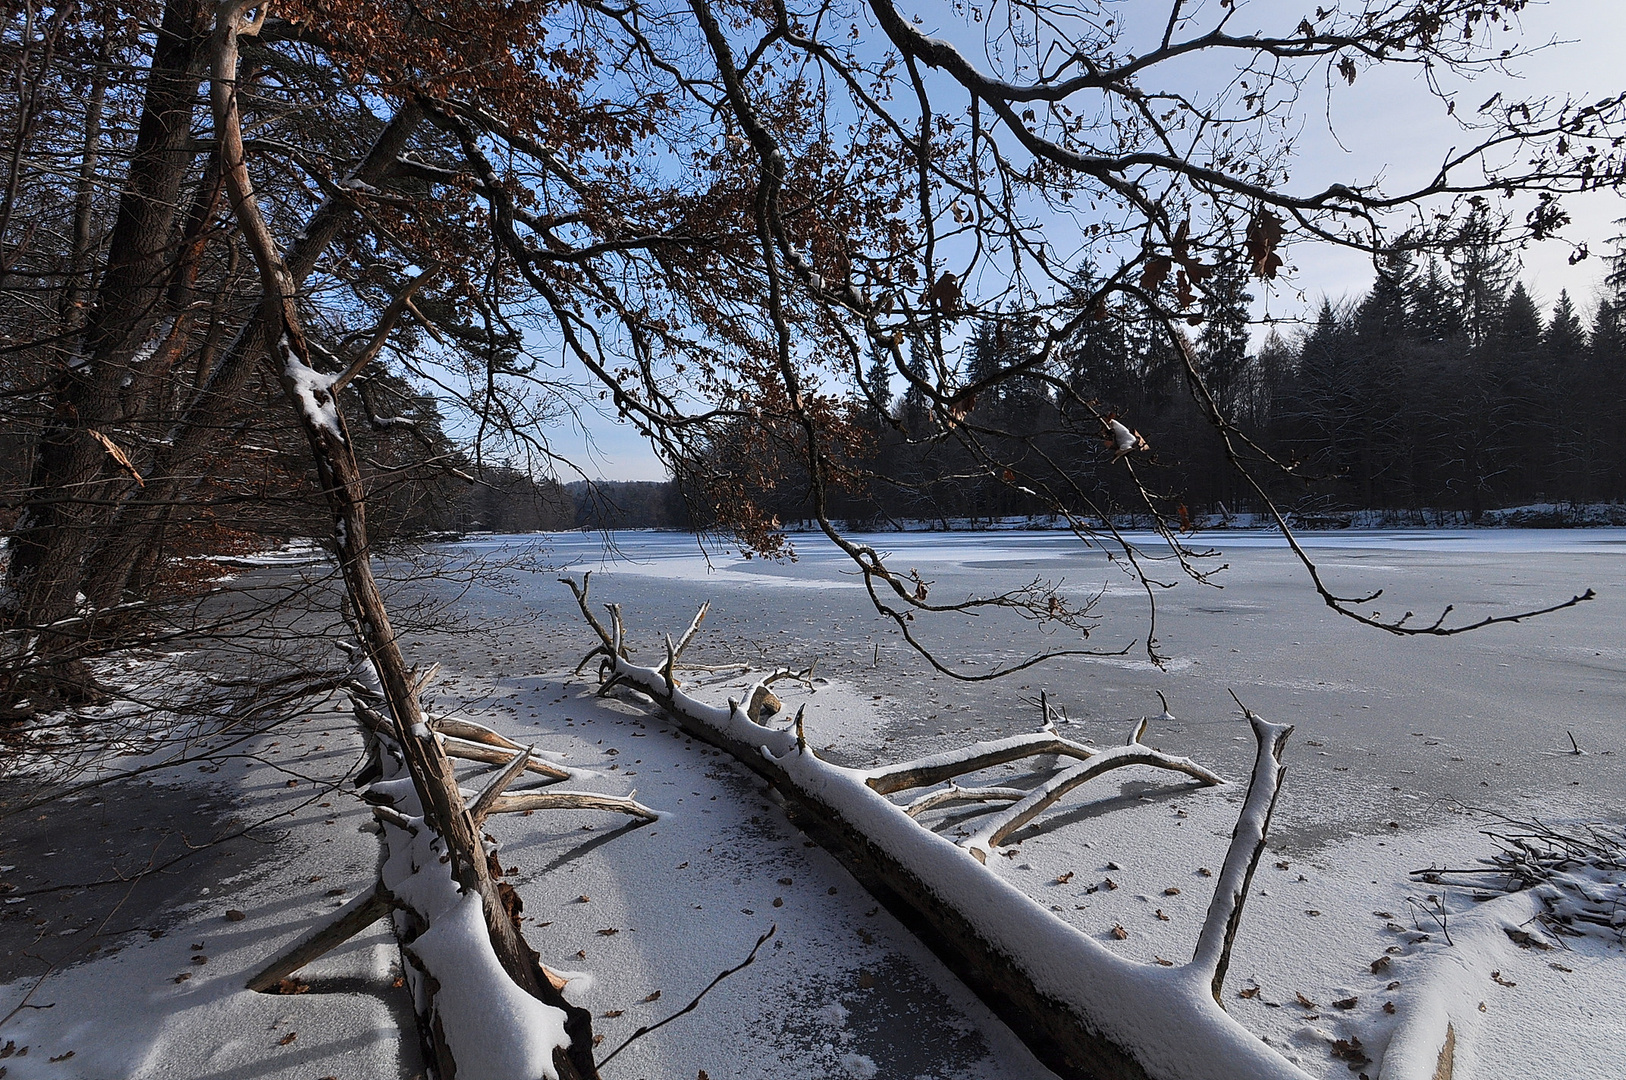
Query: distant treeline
column 1443, row 387
column 505, row 500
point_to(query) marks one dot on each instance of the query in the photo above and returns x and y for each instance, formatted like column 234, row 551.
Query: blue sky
column 1385, row 126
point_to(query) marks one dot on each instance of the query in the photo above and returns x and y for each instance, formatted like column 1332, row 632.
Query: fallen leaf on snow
column 1350, row 1050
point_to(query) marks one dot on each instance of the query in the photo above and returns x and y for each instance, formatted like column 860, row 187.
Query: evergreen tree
column 1224, row 336
column 1482, row 267
column 1564, row 340
column 1435, row 315
column 877, row 389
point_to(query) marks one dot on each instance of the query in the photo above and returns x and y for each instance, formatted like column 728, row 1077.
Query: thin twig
column 641, row 1032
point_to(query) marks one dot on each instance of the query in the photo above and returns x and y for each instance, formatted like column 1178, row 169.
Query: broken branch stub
column 1083, row 1010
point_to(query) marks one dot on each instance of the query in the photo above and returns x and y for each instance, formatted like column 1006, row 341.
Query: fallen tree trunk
column 1084, row 1011
column 474, row 1019
column 484, row 981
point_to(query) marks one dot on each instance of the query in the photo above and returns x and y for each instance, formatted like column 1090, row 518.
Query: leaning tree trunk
column 1084, row 1011
column 448, row 824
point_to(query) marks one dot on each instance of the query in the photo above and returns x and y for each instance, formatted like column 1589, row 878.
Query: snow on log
column 1439, row 1008
column 1083, row 1010
column 475, row 1019
column 1566, row 880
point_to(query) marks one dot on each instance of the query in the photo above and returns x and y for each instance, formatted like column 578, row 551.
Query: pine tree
column 1482, row 267
column 877, row 388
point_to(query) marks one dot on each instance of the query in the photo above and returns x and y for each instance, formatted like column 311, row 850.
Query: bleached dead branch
column 1084, row 1010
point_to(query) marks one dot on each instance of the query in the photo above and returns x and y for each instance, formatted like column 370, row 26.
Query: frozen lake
column 1394, row 738
column 1386, row 726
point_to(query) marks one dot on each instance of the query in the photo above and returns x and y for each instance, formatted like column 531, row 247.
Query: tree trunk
column 67, row 498
column 339, row 479
column 136, row 532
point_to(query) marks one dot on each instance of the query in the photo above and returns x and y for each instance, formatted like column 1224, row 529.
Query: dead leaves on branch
column 1264, row 237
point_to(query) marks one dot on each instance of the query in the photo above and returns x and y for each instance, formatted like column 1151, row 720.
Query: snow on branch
column 1084, row 1010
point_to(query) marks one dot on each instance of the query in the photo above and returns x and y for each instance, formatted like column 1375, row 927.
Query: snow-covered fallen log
column 1083, row 1010
column 1440, row 1005
column 475, row 1020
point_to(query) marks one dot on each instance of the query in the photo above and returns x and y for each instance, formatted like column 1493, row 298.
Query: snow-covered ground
column 112, row 971
column 1423, row 734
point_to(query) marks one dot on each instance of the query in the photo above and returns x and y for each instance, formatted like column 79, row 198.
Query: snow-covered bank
column 1529, row 516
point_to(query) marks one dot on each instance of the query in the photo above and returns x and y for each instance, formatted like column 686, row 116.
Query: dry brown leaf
column 288, row 1038
column 1119, row 932
column 117, row 455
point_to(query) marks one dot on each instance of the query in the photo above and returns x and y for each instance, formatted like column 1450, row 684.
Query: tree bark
column 67, row 501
